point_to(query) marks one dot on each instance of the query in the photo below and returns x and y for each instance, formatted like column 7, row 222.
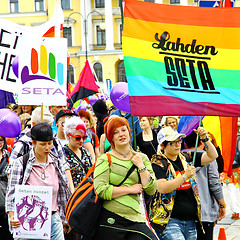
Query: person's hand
column 137, row 160
column 222, row 213
column 190, row 172
column 66, row 228
column 201, row 132
column 136, row 188
column 14, row 223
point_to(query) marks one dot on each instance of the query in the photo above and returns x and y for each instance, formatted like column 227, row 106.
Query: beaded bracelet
column 142, row 169
column 222, row 206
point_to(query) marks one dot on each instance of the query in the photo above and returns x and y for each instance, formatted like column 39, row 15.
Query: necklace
column 124, row 155
column 43, row 165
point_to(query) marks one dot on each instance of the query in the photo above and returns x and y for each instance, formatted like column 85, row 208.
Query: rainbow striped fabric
column 182, row 60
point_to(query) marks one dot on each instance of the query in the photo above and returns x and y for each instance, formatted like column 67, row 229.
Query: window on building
column 98, row 71
column 65, row 4
column 149, row 1
column 67, row 33
column 174, row 1
column 101, row 36
column 121, row 72
column 121, row 29
column 14, row 6
column 99, row 3
column 70, row 74
column 39, row 5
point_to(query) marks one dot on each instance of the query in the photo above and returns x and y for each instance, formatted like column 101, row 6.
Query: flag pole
column 42, row 112
column 196, row 144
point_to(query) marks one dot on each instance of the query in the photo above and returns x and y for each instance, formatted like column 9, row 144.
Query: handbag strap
column 127, row 175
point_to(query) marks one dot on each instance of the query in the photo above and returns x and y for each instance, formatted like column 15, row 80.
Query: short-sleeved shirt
column 185, row 205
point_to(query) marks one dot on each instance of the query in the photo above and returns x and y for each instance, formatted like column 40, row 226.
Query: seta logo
column 46, row 64
column 178, row 57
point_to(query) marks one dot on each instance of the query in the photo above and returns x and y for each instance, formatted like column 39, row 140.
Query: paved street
column 232, row 227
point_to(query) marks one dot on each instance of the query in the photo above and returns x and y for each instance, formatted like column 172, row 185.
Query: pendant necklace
column 124, row 155
column 43, row 176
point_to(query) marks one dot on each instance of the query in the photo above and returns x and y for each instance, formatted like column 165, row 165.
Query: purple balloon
column 92, row 99
column 120, row 97
column 15, row 65
column 81, row 107
column 10, row 124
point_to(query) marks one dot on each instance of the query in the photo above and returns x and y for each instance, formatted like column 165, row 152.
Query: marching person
column 176, row 204
column 121, row 216
column 42, row 169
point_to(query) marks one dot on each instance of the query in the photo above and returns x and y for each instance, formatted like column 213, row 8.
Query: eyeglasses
column 78, row 138
column 175, row 143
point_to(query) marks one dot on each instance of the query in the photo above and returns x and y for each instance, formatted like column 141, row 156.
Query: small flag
column 85, row 86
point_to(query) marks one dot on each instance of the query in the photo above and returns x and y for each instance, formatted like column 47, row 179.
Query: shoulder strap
column 25, row 159
column 109, row 158
column 25, row 146
column 128, row 174
column 55, row 143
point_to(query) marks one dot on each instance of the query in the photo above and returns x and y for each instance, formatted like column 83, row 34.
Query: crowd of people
column 172, row 192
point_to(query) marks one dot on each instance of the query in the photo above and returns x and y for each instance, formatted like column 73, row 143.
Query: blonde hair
column 23, row 117
column 173, row 117
column 47, row 116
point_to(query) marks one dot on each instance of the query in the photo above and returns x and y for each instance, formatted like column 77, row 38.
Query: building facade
column 93, row 29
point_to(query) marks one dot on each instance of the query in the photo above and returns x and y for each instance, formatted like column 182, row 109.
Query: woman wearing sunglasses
column 176, row 205
column 77, row 156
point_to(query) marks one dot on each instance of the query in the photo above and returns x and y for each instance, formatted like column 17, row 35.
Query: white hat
column 168, row 134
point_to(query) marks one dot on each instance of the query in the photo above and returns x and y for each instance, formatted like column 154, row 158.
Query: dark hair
column 190, row 140
column 5, row 143
column 165, row 143
column 42, row 132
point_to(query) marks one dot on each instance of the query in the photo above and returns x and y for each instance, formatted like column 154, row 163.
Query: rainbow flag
column 182, row 60
column 224, row 129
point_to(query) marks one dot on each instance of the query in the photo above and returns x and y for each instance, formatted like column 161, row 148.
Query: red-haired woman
column 121, row 216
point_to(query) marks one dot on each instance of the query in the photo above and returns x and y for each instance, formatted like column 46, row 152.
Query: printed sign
column 43, row 71
column 33, row 208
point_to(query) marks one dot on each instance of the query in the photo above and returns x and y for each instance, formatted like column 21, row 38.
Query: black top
column 147, row 147
column 185, row 205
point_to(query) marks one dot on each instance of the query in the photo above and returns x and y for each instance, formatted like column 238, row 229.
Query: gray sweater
column 210, row 190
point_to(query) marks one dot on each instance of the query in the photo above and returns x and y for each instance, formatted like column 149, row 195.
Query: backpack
column 84, row 207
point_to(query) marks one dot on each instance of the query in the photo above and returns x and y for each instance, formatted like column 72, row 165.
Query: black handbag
column 84, row 207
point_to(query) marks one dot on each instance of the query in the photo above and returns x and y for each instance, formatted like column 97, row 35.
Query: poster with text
column 43, row 71
column 33, row 208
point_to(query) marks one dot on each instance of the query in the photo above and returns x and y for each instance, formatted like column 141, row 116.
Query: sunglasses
column 78, row 138
column 175, row 143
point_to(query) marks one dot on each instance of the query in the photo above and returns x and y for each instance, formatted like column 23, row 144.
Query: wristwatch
column 205, row 139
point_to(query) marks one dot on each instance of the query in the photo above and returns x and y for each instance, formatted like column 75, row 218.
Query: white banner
column 33, row 208
column 10, row 33
column 43, row 71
